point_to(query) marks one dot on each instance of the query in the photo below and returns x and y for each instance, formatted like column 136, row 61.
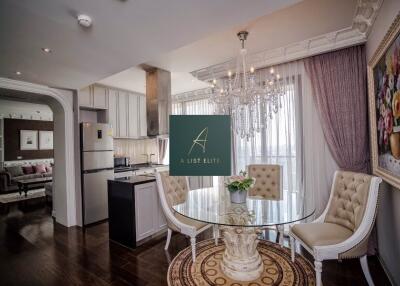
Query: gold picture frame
column 384, row 120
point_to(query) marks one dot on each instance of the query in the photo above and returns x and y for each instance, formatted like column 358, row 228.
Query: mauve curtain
column 339, row 91
column 339, row 84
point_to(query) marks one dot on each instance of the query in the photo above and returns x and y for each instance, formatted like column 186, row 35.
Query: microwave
column 121, row 162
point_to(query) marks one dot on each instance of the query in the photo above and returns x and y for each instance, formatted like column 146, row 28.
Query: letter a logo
column 200, row 140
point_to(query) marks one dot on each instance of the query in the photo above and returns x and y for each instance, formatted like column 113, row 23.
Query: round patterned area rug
column 278, row 267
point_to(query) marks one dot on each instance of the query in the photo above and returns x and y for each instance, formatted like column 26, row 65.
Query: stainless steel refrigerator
column 97, row 159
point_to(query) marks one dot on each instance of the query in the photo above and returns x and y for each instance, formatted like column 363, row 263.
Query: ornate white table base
column 241, row 260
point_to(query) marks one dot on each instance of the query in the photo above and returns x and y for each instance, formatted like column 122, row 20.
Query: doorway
column 67, row 197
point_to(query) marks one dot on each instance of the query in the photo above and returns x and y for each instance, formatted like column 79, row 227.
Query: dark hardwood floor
column 35, row 251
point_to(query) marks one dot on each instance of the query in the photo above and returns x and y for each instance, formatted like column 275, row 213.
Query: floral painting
column 384, row 99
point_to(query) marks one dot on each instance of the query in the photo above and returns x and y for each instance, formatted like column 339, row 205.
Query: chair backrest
column 268, row 183
column 172, row 190
column 350, row 192
column 175, row 188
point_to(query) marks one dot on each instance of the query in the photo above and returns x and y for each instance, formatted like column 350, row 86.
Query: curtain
column 339, row 91
column 293, row 138
column 279, row 141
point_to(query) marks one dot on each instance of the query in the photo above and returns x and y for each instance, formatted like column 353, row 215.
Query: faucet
column 148, row 158
column 151, row 155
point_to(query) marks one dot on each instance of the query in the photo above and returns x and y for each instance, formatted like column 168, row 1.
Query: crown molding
column 203, row 93
column 357, row 33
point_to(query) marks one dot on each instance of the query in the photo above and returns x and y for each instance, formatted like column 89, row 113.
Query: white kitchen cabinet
column 112, row 111
column 85, row 97
column 100, row 97
column 161, row 220
column 123, row 114
column 124, row 110
column 142, row 116
column 133, row 115
column 93, row 97
column 146, row 214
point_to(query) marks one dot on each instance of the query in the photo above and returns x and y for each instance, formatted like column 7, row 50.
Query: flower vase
column 395, row 145
column 238, row 196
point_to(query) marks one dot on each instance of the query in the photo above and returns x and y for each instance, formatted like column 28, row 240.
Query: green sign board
column 200, row 145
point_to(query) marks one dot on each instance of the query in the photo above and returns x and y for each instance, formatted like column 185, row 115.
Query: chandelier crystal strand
column 249, row 96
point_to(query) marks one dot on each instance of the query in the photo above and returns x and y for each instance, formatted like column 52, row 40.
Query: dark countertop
column 137, row 167
column 135, row 180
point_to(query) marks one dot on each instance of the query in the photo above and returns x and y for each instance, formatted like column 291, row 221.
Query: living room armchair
column 343, row 229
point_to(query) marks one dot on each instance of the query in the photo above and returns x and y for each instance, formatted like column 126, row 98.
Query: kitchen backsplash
column 134, row 149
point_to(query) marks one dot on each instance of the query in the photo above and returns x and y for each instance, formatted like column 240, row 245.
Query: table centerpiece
column 238, row 186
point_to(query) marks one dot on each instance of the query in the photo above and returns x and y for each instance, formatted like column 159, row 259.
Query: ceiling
column 135, row 79
column 303, row 20
column 298, row 22
column 125, row 33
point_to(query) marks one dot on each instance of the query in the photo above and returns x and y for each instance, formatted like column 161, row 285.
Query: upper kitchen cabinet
column 85, row 97
column 127, row 113
column 100, row 97
column 142, row 116
column 112, row 111
column 133, row 118
column 122, row 113
column 93, row 97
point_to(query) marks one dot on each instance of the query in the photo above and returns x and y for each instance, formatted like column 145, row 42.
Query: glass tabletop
column 213, row 205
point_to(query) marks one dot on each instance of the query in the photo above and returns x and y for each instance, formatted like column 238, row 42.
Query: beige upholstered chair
column 268, row 186
column 173, row 190
column 343, row 229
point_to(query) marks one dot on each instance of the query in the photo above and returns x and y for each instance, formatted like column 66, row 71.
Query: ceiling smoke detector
column 84, row 20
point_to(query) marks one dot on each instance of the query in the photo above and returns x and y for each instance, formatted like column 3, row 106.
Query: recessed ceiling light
column 18, row 73
column 46, row 50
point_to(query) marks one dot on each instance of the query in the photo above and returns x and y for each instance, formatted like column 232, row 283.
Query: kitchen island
column 134, row 210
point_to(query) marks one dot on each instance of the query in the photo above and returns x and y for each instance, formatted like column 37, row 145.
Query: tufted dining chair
column 172, row 191
column 268, row 186
column 343, row 229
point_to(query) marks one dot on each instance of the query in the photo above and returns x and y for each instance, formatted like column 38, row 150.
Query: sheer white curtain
column 193, row 107
column 278, row 142
column 292, row 138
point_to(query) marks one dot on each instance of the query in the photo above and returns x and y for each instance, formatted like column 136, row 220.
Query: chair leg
column 216, row 234
column 280, row 229
column 292, row 248
column 193, row 244
column 169, row 234
column 318, row 272
column 365, row 269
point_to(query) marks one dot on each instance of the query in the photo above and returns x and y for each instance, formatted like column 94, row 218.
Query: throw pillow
column 49, row 169
column 28, row 170
column 40, row 168
column 15, row 171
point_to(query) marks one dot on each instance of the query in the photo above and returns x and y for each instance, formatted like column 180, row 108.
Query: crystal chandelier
column 249, row 96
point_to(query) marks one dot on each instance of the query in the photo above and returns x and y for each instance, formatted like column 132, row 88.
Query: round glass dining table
column 241, row 224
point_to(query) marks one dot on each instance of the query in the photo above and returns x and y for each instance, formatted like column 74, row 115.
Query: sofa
column 12, row 172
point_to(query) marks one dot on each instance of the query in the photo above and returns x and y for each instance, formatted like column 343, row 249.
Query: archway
column 61, row 102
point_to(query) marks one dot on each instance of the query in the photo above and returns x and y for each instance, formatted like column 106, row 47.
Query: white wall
column 25, row 110
column 388, row 221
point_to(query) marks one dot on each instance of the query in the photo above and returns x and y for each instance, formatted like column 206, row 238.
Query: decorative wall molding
column 364, row 17
column 197, row 94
